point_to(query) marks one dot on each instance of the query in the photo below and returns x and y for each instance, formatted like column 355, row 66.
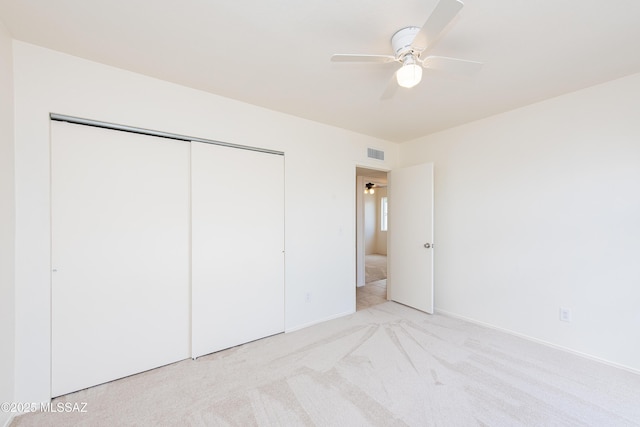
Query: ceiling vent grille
column 372, row 153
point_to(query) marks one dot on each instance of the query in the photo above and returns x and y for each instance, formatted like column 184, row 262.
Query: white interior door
column 120, row 254
column 410, row 213
column 238, row 246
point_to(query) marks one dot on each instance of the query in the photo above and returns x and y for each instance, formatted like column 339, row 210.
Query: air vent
column 372, row 153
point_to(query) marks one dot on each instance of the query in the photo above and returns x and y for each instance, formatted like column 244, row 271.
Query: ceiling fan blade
column 391, row 89
column 441, row 16
column 452, row 65
column 347, row 57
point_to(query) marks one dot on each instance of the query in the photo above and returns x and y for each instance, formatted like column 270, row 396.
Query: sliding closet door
column 120, row 254
column 237, row 246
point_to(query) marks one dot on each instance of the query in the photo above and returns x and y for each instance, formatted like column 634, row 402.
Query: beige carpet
column 388, row 365
column 371, row 294
column 375, row 267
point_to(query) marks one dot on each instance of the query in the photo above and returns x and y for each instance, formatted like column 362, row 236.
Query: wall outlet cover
column 565, row 314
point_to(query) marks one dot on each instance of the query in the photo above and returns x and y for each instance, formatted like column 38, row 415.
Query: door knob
column 427, row 245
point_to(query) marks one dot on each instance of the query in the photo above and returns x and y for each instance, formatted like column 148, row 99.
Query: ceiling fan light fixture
column 369, row 189
column 410, row 73
column 410, row 46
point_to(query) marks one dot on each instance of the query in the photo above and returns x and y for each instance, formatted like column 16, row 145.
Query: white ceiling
column 377, row 175
column 275, row 53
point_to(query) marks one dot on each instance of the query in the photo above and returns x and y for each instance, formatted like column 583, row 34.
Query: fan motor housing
column 402, row 39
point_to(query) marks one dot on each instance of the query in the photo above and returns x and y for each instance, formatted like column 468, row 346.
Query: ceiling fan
column 409, row 45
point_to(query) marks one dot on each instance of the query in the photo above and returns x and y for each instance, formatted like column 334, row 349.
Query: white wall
column 320, row 231
column 381, row 236
column 539, row 208
column 7, row 221
column 369, row 224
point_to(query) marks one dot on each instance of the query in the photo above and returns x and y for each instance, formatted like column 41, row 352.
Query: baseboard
column 315, row 322
column 539, row 341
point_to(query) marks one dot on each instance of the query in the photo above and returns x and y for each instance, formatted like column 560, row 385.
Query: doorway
column 371, row 237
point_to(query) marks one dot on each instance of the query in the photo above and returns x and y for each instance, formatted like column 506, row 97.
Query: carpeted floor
column 371, row 294
column 375, row 267
column 387, row 365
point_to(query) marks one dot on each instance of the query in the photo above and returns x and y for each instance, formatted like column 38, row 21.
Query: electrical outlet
column 308, row 297
column 565, row 314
